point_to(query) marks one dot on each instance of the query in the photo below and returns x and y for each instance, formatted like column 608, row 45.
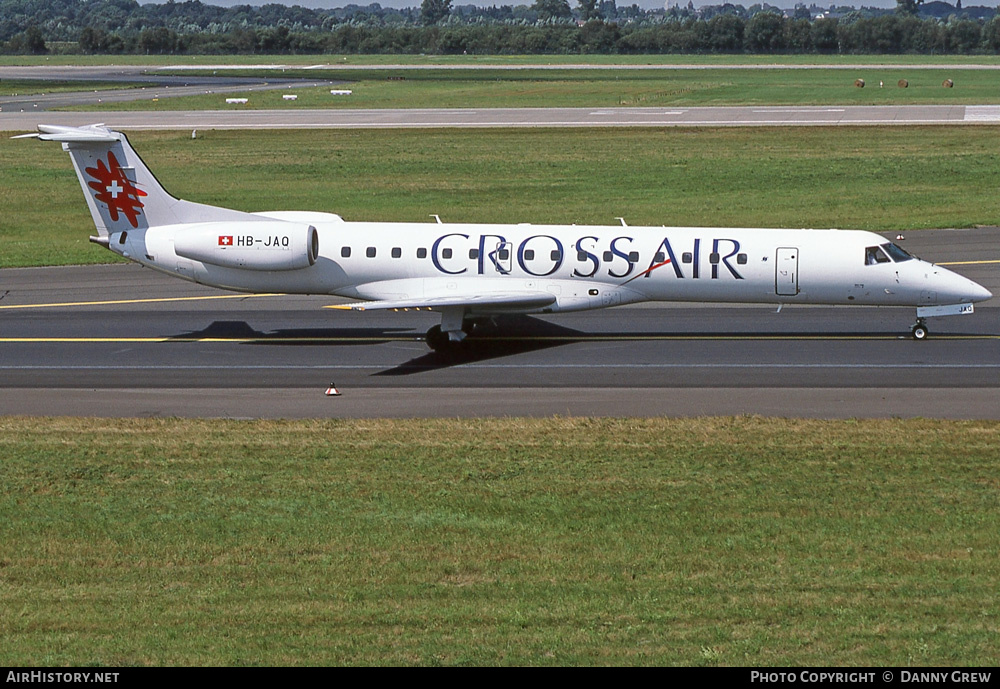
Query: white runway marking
column 982, row 113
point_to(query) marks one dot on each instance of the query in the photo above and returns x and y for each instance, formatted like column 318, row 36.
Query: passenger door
column 786, row 272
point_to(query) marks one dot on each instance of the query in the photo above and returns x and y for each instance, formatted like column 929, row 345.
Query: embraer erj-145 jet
column 470, row 272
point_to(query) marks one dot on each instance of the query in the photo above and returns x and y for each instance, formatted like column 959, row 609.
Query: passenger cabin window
column 345, row 252
column 473, row 253
column 446, row 253
column 421, row 252
column 873, row 255
column 370, row 252
column 396, row 252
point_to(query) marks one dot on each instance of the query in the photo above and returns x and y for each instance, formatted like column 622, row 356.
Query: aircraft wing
column 496, row 302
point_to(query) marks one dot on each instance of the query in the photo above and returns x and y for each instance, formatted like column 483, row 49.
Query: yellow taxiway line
column 136, row 301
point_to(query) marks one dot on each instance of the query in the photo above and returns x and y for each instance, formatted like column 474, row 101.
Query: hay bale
column 860, row 83
column 948, row 83
column 903, row 83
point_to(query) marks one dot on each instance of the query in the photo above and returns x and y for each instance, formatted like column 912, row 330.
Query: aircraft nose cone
column 982, row 294
column 958, row 289
column 971, row 291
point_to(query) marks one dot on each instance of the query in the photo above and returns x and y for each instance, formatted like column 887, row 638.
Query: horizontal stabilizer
column 94, row 133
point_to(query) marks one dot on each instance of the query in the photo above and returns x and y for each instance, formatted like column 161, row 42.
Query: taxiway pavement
column 121, row 340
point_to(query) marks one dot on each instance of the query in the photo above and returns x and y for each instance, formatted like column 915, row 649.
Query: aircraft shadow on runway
column 511, row 335
column 244, row 333
column 505, row 336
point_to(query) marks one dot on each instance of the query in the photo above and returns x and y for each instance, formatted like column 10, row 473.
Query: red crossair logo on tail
column 116, row 190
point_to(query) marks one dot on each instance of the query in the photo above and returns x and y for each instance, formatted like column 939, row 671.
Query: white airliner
column 471, row 272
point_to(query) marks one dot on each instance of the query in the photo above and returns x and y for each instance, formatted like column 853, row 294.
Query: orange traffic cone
column 332, row 391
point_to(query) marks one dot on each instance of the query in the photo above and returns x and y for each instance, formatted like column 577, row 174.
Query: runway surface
column 744, row 116
column 121, row 340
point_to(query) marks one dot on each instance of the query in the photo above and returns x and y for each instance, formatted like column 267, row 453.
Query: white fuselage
column 584, row 267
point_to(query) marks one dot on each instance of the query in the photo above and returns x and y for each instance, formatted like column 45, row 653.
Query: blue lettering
column 434, row 253
column 725, row 259
column 590, row 257
column 665, row 244
column 497, row 265
column 617, row 252
column 521, row 249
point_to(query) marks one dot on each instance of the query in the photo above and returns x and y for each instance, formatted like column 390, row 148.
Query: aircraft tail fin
column 121, row 192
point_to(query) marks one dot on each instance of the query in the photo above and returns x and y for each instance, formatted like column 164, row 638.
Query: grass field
column 740, row 541
column 480, row 88
column 866, row 178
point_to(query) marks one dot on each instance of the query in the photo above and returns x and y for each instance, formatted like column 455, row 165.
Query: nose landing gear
column 919, row 330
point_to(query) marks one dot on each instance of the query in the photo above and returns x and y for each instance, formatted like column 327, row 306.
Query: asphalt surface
column 149, row 84
column 755, row 116
column 167, row 347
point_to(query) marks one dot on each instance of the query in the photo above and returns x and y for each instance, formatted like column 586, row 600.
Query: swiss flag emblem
column 226, row 241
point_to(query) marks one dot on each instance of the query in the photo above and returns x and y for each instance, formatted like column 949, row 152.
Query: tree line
column 436, row 27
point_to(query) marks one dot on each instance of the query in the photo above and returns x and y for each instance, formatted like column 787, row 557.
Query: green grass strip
column 876, row 178
column 718, row 541
column 482, row 88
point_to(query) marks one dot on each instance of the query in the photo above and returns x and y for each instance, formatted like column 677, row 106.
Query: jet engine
column 265, row 245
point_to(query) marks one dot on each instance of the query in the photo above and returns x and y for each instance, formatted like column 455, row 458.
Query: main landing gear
column 439, row 341
column 444, row 341
column 919, row 330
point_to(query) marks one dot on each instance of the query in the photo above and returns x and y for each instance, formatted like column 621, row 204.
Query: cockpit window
column 897, row 253
column 873, row 255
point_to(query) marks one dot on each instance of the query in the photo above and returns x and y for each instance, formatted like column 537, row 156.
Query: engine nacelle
column 265, row 245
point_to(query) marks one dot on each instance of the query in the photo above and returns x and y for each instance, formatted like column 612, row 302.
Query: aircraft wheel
column 439, row 341
column 919, row 331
